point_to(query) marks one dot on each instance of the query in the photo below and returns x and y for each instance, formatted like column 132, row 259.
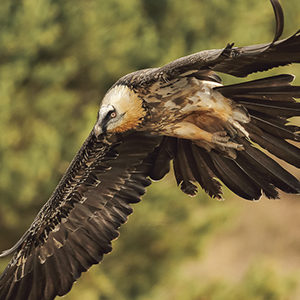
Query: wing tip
column 279, row 18
column 7, row 252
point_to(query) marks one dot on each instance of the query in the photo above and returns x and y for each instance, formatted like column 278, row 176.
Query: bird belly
column 203, row 115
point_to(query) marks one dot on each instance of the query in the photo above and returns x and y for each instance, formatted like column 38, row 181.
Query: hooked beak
column 97, row 129
column 101, row 124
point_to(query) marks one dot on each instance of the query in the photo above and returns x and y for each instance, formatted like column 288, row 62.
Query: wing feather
column 76, row 226
column 238, row 61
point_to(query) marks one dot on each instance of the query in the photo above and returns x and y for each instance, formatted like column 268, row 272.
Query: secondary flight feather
column 180, row 115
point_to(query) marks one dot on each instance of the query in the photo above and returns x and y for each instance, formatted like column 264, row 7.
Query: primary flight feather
column 178, row 113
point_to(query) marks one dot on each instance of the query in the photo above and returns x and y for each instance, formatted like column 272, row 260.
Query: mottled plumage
column 179, row 113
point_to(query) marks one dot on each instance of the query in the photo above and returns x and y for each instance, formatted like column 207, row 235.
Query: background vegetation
column 57, row 60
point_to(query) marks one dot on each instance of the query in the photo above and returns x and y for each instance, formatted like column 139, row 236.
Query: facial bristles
column 126, row 103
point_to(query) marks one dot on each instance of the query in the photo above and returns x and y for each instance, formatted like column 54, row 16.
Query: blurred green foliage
column 57, row 60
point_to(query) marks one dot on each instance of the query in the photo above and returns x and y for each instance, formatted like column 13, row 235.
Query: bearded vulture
column 179, row 113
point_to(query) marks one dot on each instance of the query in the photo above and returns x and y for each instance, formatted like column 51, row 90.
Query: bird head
column 121, row 110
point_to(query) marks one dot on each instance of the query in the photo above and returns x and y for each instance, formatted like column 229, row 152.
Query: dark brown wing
column 239, row 61
column 76, row 226
column 236, row 61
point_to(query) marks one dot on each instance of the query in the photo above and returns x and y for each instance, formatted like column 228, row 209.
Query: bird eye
column 113, row 114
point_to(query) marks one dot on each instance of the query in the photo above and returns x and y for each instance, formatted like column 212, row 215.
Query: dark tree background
column 57, row 60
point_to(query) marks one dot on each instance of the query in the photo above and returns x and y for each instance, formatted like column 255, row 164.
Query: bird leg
column 190, row 131
column 221, row 138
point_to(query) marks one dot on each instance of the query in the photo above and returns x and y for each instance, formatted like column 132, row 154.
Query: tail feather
column 272, row 108
column 274, row 88
column 278, row 147
column 268, row 126
column 270, row 169
column 279, row 130
column 272, row 81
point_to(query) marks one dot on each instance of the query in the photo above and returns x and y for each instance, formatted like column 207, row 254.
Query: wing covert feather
column 75, row 227
column 239, row 61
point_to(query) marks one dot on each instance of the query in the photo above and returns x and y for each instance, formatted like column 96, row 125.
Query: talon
column 235, row 146
column 221, row 133
column 222, row 139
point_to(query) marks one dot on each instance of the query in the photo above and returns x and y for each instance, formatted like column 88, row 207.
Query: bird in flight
column 179, row 113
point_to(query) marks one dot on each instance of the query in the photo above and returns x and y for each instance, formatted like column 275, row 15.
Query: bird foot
column 222, row 139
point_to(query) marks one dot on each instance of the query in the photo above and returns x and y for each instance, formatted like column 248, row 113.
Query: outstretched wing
column 236, row 61
column 239, row 61
column 76, row 226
